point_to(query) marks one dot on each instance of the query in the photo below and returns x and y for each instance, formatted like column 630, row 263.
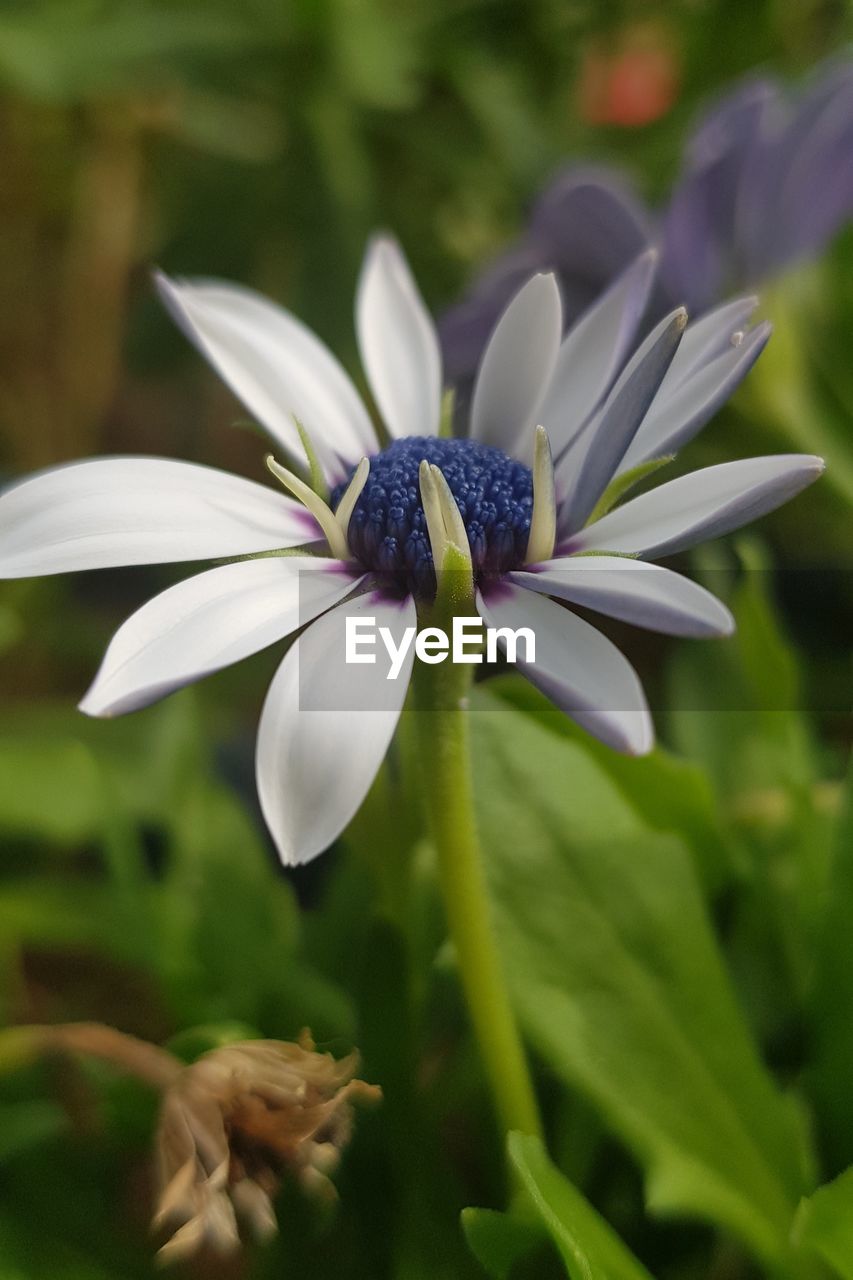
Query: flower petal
column 593, row 223
column 699, row 506
column 325, row 728
column 517, row 367
column 587, row 226
column 708, row 337
column 675, row 418
column 209, row 622
column 593, row 352
column 635, row 591
column 398, row 342
column 577, row 667
column 595, row 457
column 276, row 366
column 692, row 262
column 123, row 511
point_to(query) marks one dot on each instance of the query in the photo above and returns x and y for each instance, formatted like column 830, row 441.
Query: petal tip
column 382, row 246
column 166, row 287
column 90, row 706
column 727, row 625
column 641, row 744
column 811, row 466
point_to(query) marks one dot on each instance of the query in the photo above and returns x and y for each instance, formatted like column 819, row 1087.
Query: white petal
column 708, row 337
column 593, row 352
column 276, row 366
column 577, row 668
column 517, row 367
column 326, row 726
column 699, row 506
column 122, row 511
column 677, row 415
column 635, row 591
column 208, row 622
column 595, row 457
column 398, row 343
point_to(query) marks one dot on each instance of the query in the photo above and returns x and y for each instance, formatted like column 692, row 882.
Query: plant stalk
column 441, row 714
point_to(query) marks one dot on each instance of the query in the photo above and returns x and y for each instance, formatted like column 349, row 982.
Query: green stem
column 442, row 726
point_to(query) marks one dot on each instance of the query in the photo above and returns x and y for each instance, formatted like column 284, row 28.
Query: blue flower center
column 388, row 530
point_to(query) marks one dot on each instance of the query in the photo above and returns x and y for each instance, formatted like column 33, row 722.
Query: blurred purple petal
column 766, row 180
column 587, row 227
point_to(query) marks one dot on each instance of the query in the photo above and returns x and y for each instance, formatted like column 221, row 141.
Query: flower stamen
column 543, row 521
column 352, row 493
column 432, row 512
column 454, row 525
column 319, row 509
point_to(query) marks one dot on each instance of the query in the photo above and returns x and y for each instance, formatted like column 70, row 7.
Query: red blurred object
column 631, row 84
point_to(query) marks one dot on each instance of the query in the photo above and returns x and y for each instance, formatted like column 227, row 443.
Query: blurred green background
column 690, row 998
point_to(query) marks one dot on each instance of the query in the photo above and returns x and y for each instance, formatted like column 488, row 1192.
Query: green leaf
column 781, row 391
column 61, row 50
column 735, row 703
column 619, row 983
column 824, row 1224
column 831, row 998
column 25, row 1124
column 11, row 627
column 499, row 1240
column 588, row 1245
column 667, row 792
column 737, row 709
column 49, row 790
column 192, row 1042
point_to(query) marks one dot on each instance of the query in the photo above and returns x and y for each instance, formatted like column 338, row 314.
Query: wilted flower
column 233, row 1123
column 765, row 182
column 554, row 425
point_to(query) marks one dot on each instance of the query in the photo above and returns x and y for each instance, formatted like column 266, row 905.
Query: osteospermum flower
column 554, row 425
column 766, row 181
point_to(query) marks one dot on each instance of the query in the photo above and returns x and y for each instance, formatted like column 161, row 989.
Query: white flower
column 606, row 407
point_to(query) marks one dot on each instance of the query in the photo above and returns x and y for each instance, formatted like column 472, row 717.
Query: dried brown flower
column 233, row 1123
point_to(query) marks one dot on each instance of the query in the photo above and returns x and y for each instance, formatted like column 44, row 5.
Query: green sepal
column 307, row 549
column 455, row 583
column 623, row 555
column 620, row 485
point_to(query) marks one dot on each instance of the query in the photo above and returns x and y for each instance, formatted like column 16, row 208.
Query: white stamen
column 454, row 525
column 543, row 522
column 351, row 495
column 322, row 513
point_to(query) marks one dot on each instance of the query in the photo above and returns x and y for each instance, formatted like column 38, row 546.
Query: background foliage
column 678, row 930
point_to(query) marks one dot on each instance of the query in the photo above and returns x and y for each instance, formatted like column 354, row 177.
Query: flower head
column 233, row 1123
column 766, row 181
column 558, row 428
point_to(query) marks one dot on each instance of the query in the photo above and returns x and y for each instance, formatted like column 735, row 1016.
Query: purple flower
column 766, row 181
